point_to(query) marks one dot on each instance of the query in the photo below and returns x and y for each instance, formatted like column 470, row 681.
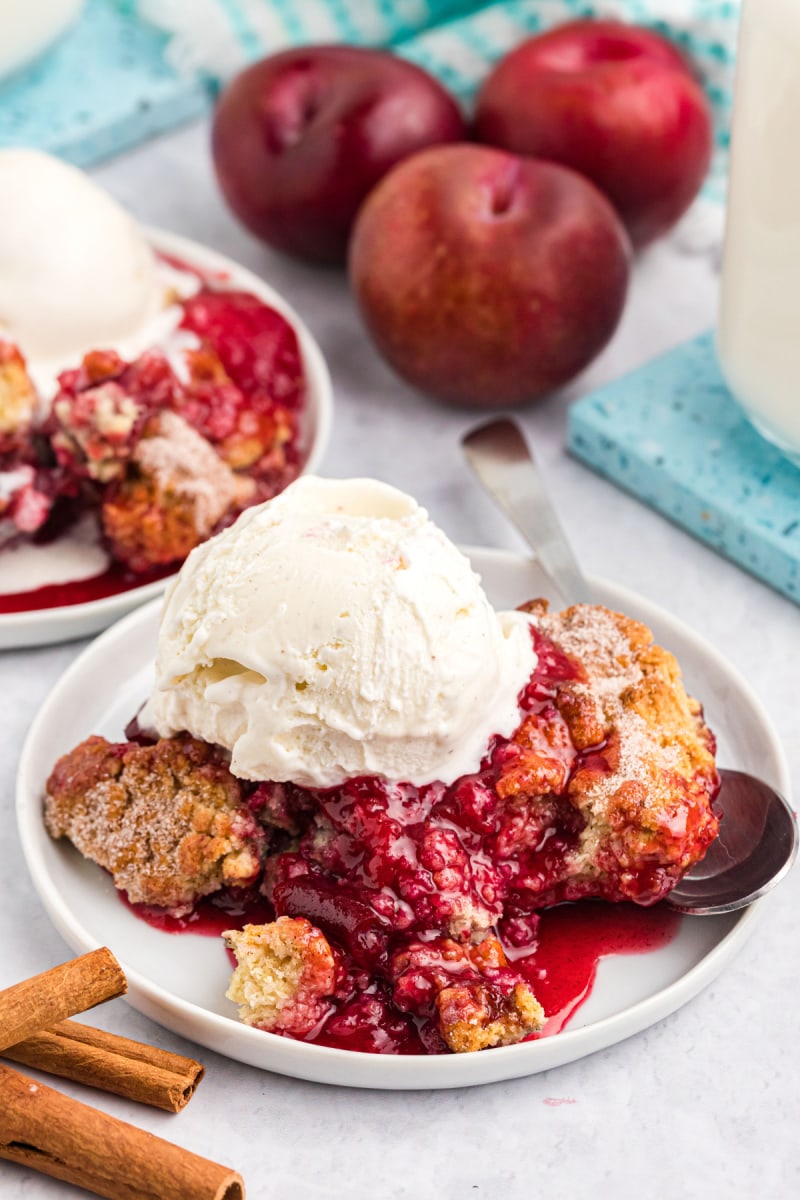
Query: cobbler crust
column 164, row 450
column 285, row 972
column 646, row 795
column 18, row 399
column 478, row 1000
column 178, row 491
column 412, row 896
column 166, row 820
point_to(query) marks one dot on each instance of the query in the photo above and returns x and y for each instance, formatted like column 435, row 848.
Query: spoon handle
column 503, row 462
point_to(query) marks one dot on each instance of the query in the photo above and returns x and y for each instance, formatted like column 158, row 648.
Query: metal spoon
column 758, row 838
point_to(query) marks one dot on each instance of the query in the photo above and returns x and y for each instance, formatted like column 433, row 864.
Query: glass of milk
column 759, row 324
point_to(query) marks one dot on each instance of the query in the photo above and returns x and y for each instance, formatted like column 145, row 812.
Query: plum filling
column 431, row 896
column 161, row 451
column 392, row 918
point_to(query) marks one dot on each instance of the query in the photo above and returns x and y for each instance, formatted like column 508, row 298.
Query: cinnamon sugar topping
column 168, row 820
column 422, row 902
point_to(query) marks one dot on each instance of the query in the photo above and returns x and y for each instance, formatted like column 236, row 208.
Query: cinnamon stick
column 70, row 988
column 112, row 1063
column 50, row 1132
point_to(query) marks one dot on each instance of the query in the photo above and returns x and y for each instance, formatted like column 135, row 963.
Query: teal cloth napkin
column 457, row 40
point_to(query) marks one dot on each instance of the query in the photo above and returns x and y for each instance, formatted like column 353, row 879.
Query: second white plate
column 180, row 981
column 35, row 627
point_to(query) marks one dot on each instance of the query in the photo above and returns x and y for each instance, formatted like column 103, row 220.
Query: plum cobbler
column 411, row 912
column 164, row 450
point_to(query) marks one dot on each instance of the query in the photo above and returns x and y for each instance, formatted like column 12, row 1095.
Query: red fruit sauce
column 573, row 938
column 384, row 869
column 572, row 941
column 263, row 376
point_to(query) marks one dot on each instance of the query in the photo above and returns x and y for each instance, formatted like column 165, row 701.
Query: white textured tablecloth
column 706, row 1103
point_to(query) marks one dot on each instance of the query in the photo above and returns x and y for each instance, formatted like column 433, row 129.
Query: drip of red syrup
column 211, row 916
column 559, row 957
column 572, row 941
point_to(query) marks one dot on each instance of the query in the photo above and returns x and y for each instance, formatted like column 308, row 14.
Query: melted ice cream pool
column 69, row 559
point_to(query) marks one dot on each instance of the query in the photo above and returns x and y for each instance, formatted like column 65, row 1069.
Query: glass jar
column 759, row 323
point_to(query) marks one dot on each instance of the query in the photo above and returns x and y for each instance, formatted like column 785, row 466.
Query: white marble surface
column 704, row 1104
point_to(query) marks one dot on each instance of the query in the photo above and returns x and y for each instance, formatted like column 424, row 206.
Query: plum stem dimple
column 571, row 58
column 502, row 190
column 294, row 107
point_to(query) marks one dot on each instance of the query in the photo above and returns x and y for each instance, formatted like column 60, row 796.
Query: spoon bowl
column 754, row 849
column 758, row 839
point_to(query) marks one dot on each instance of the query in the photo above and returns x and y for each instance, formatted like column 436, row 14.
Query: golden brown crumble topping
column 604, row 790
column 176, row 493
column 477, row 1001
column 166, row 820
column 18, row 399
column 285, row 971
column 649, row 797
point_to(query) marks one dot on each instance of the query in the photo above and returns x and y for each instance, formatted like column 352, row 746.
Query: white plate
column 180, row 980
column 43, row 626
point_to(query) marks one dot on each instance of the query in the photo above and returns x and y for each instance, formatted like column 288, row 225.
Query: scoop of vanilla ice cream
column 334, row 632
column 76, row 273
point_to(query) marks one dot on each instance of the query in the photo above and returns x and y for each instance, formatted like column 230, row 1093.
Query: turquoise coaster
column 671, row 434
column 104, row 87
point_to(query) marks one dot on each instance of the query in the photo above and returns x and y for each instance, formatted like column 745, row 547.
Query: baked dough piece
column 285, row 972
column 167, row 820
column 629, row 751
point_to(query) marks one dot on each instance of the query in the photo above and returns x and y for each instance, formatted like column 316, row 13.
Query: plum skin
column 486, row 279
column 616, row 103
column 299, row 139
